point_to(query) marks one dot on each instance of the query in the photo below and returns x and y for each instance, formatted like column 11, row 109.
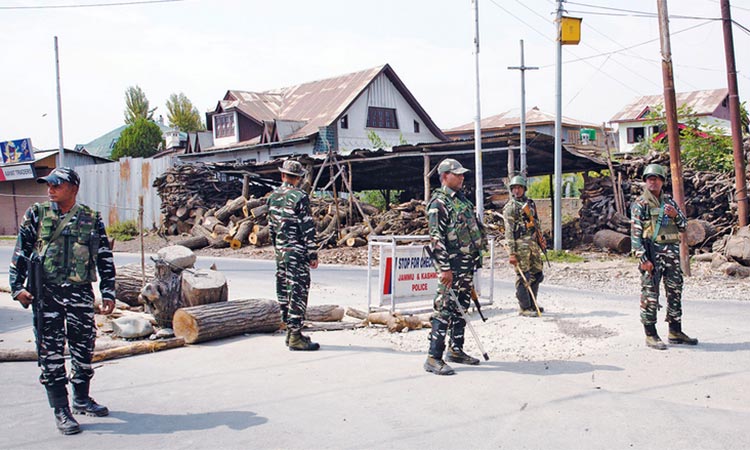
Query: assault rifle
column 454, row 299
column 533, row 225
column 34, row 280
column 650, row 252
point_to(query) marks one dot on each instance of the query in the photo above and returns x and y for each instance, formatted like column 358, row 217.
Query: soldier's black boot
column 652, row 338
column 65, row 421
column 676, row 336
column 84, row 404
column 535, row 280
column 300, row 342
column 458, row 356
column 524, row 300
column 434, row 363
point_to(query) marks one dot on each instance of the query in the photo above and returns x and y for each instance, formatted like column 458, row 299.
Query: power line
column 90, row 5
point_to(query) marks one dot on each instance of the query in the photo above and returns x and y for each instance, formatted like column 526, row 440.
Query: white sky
column 205, row 47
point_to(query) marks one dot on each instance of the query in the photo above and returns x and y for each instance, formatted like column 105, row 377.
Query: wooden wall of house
column 248, row 128
column 15, row 198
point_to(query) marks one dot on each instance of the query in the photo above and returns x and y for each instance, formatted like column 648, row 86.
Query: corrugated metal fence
column 113, row 189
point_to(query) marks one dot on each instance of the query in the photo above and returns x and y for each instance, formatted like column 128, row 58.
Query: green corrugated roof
column 103, row 145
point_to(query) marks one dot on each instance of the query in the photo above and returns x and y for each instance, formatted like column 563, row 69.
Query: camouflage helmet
column 655, row 169
column 518, row 180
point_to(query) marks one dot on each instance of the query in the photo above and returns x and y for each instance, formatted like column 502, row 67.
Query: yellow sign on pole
column 570, row 30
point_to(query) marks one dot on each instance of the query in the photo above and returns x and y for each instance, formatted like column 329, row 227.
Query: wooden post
column 140, row 231
column 615, row 187
column 246, row 186
column 426, row 175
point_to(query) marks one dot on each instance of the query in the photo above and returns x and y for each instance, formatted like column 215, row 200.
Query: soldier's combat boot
column 300, row 342
column 437, row 366
column 652, row 338
column 458, row 356
column 676, row 336
column 84, row 404
column 65, row 421
column 531, row 312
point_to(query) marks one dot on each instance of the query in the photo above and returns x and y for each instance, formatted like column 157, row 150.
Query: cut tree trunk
column 262, row 237
column 698, row 232
column 162, row 295
column 324, row 313
column 202, row 286
column 194, row 243
column 612, row 240
column 129, row 282
column 219, row 320
column 137, row 348
column 230, row 208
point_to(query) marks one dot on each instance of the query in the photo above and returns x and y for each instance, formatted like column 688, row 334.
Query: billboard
column 16, row 151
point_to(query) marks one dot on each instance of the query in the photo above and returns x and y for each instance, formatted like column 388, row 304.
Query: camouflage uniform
column 67, row 295
column 666, row 261
column 293, row 236
column 457, row 240
column 522, row 243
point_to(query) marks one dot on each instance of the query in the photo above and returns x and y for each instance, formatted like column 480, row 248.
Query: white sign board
column 17, row 172
column 410, row 277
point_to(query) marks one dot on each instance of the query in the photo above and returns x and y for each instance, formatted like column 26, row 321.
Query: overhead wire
column 90, row 5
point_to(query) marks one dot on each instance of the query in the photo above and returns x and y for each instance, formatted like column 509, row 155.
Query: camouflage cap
column 60, row 174
column 293, row 168
column 452, row 166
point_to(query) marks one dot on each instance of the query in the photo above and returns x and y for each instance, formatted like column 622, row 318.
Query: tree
column 182, row 114
column 141, row 139
column 136, row 105
column 702, row 146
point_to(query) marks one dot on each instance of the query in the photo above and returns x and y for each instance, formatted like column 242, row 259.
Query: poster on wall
column 16, row 151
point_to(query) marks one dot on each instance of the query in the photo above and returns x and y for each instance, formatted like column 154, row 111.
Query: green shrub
column 123, row 231
column 564, row 256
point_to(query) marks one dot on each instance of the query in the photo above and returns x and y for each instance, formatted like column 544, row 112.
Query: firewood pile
column 709, row 202
column 188, row 191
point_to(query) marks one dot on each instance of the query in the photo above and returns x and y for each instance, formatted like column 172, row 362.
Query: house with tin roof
column 710, row 107
column 361, row 110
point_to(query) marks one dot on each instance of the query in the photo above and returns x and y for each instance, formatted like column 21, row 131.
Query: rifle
column 533, row 225
column 452, row 296
column 475, row 299
column 34, row 280
column 650, row 253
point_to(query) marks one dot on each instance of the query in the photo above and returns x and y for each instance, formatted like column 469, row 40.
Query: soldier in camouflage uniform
column 293, row 236
column 457, row 240
column 524, row 250
column 72, row 242
column 656, row 222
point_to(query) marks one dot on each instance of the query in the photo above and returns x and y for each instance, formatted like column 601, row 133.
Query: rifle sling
column 59, row 228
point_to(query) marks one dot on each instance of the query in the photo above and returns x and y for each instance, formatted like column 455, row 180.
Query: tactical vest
column 666, row 231
column 68, row 258
column 464, row 232
column 523, row 226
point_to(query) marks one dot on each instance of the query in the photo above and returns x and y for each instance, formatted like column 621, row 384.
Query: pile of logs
column 188, row 191
column 709, row 203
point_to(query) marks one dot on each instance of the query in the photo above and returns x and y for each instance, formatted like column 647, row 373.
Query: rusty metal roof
column 512, row 118
column 703, row 103
column 316, row 103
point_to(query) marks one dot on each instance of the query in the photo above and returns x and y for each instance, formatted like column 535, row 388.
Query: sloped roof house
column 363, row 109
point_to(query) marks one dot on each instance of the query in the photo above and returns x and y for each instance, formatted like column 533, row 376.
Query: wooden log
column 396, row 322
column 209, row 222
column 262, row 237
column 698, row 232
column 332, row 326
column 202, row 286
column 138, row 348
column 356, row 242
column 612, row 240
column 194, row 242
column 219, row 320
column 243, row 231
column 259, row 211
column 324, row 313
column 129, row 282
column 162, row 295
column 356, row 313
column 230, row 208
column 252, row 204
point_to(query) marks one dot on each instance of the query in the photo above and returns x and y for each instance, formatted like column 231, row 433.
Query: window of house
column 224, row 125
column 381, row 117
column 416, row 126
column 635, row 135
column 654, row 130
column 345, row 122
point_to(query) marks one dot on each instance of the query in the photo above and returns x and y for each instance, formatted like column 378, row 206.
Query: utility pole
column 477, row 123
column 673, row 132
column 734, row 115
column 61, row 147
column 557, row 202
column 523, row 68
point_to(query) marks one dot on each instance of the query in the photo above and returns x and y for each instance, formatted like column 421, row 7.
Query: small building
column 175, row 141
column 367, row 109
column 710, row 107
column 20, row 191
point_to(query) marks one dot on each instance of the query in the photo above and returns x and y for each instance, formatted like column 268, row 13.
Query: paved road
column 358, row 393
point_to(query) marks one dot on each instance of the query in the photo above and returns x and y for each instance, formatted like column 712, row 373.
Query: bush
column 123, row 231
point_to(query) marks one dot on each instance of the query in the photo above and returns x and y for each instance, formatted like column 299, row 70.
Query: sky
column 205, row 47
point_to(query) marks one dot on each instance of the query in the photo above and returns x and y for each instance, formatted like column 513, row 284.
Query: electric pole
column 477, row 123
column 61, row 147
column 523, row 68
column 557, row 202
column 673, row 132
